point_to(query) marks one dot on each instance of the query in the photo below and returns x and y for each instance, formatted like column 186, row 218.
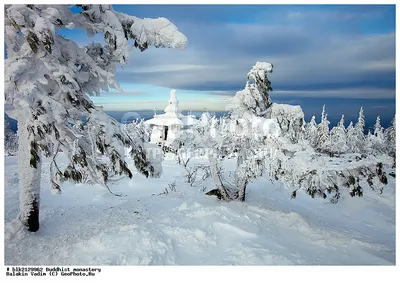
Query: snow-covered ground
column 87, row 225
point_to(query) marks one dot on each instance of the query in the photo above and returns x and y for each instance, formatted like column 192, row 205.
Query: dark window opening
column 165, row 133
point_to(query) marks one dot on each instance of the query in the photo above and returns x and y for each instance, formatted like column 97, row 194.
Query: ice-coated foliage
column 138, row 130
column 290, row 119
column 254, row 99
column 47, row 79
column 328, row 177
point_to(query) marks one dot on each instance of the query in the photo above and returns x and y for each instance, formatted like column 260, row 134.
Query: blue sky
column 339, row 55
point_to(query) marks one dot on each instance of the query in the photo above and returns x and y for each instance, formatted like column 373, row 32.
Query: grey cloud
column 219, row 56
column 125, row 91
column 365, row 93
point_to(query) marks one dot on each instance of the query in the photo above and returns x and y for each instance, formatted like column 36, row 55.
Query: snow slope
column 86, row 225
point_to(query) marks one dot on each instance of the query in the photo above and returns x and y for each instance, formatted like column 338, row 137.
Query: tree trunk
column 242, row 185
column 29, row 180
column 215, row 173
column 241, row 176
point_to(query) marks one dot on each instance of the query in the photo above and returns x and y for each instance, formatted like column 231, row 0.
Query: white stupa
column 167, row 125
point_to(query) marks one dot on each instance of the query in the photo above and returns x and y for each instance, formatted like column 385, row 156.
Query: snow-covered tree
column 355, row 135
column 350, row 138
column 390, row 140
column 242, row 134
column 10, row 140
column 338, row 138
column 378, row 129
column 254, row 98
column 322, row 140
column 377, row 139
column 47, row 79
column 368, row 142
column 358, row 135
column 311, row 131
column 290, row 119
column 248, row 118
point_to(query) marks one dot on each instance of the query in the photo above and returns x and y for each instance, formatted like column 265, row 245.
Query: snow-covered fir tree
column 390, row 140
column 338, row 143
column 350, row 138
column 10, row 140
column 311, row 131
column 47, row 79
column 377, row 139
column 369, row 143
column 378, row 129
column 357, row 135
column 322, row 141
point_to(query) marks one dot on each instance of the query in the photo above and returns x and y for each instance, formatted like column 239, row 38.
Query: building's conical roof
column 173, row 109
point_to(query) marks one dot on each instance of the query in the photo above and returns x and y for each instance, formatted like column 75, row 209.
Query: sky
column 339, row 55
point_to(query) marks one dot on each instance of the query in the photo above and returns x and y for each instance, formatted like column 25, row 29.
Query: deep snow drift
column 87, row 225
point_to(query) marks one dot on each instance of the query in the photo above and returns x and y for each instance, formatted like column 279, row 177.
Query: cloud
column 318, row 51
column 169, row 68
column 364, row 93
column 125, row 92
column 337, row 15
column 219, row 57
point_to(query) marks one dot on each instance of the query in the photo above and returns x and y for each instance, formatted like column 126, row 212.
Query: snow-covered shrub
column 320, row 175
column 290, row 119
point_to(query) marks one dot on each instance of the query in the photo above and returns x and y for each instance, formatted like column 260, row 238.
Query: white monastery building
column 166, row 126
